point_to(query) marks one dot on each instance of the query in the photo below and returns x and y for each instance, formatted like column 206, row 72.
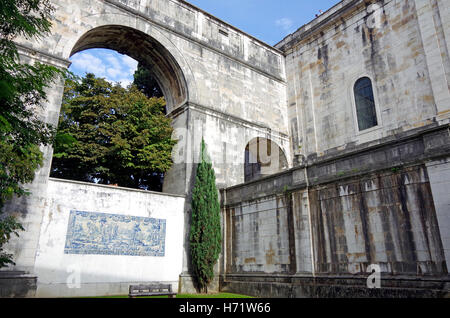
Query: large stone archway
column 204, row 66
column 220, row 84
column 145, row 49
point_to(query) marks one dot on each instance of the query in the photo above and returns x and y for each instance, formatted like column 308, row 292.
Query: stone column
column 439, row 176
column 30, row 209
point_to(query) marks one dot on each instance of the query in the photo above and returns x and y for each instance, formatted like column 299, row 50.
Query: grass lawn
column 219, row 295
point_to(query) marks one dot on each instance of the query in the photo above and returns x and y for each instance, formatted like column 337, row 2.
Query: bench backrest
column 151, row 288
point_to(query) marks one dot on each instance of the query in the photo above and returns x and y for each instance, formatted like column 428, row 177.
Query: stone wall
column 439, row 175
column 219, row 83
column 352, row 197
column 315, row 230
column 16, row 284
column 386, row 218
column 401, row 45
column 120, row 236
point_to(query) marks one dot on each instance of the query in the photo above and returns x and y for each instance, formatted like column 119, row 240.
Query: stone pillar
column 434, row 39
column 29, row 210
column 439, row 176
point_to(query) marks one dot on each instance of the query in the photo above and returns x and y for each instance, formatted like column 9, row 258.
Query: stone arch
column 145, row 49
column 263, row 157
column 143, row 41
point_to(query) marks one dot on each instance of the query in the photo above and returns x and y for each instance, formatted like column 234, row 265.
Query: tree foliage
column 8, row 226
column 22, row 92
column 112, row 135
column 146, row 82
column 205, row 234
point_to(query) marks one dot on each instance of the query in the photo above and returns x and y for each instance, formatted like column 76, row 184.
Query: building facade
column 331, row 149
column 368, row 111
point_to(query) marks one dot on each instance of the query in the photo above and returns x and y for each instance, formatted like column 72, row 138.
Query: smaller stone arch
column 263, row 157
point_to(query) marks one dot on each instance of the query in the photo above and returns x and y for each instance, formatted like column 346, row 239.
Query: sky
column 109, row 64
column 267, row 20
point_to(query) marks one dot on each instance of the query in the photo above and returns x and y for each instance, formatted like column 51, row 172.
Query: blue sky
column 109, row 64
column 267, row 20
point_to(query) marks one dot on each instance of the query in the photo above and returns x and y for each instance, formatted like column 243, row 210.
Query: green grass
column 219, row 295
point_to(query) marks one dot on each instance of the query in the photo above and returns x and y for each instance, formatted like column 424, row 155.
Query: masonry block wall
column 219, row 83
column 401, row 45
column 97, row 240
column 355, row 197
column 351, row 198
column 386, row 218
column 315, row 230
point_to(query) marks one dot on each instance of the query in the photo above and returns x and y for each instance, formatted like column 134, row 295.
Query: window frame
column 354, row 109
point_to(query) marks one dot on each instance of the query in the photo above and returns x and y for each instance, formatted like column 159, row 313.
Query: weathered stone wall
column 385, row 218
column 259, row 236
column 314, row 230
column 233, row 76
column 226, row 138
column 353, row 197
column 439, row 175
column 15, row 284
column 206, row 69
column 61, row 265
column 401, row 45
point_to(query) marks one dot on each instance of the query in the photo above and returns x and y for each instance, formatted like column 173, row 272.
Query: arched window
column 365, row 104
column 263, row 157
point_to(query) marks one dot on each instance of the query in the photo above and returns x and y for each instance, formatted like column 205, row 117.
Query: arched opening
column 263, row 157
column 162, row 68
column 147, row 51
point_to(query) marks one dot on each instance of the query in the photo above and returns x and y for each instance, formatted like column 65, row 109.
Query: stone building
column 331, row 149
column 368, row 111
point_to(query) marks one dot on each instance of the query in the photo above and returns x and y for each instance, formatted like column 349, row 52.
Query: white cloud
column 285, row 23
column 112, row 66
column 128, row 61
column 124, row 82
column 88, row 64
column 113, row 73
column 113, row 61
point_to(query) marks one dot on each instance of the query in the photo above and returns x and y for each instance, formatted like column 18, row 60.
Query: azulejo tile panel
column 114, row 234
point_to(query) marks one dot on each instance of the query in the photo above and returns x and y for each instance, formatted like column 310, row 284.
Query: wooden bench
column 151, row 290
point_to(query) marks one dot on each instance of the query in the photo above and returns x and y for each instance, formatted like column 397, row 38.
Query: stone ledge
column 187, row 284
column 115, row 188
column 17, row 284
column 294, row 286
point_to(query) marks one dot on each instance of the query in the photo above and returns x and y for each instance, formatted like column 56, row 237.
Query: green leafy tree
column 205, row 234
column 112, row 135
column 22, row 89
column 146, row 82
column 8, row 226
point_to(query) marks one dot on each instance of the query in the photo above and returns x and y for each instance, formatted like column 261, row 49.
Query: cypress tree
column 205, row 235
